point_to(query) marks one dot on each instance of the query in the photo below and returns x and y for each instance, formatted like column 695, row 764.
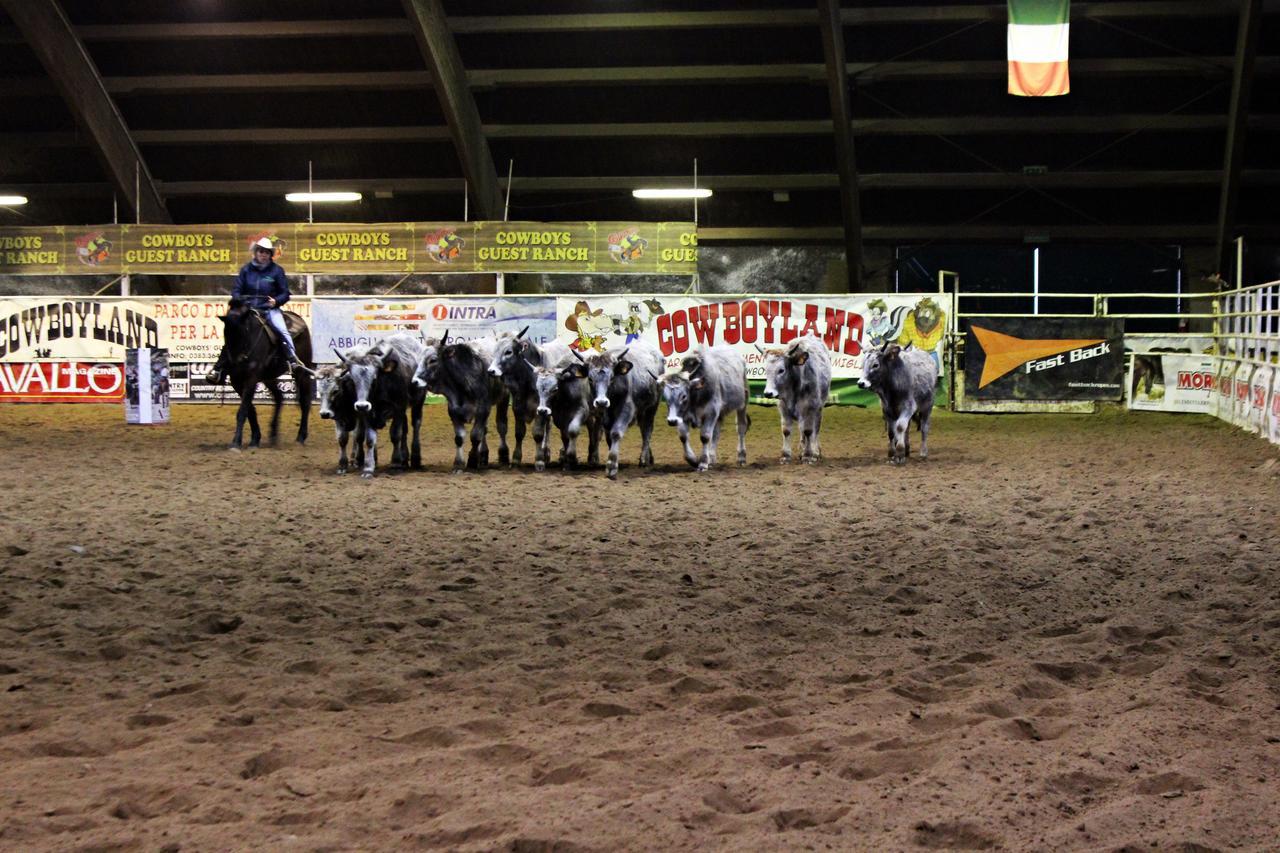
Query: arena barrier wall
column 1247, row 348
column 56, row 348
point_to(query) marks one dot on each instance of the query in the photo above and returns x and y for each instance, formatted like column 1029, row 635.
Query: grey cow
column 625, row 392
column 564, row 399
column 799, row 378
column 712, row 383
column 382, row 380
column 904, row 379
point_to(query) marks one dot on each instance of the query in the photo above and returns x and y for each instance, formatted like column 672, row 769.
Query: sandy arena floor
column 1059, row 633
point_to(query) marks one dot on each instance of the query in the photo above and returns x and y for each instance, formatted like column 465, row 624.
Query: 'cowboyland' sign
column 666, row 248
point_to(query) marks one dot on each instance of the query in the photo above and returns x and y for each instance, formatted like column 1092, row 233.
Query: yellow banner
column 665, row 248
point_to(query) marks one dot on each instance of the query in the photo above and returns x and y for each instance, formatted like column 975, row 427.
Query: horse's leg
column 255, row 431
column 241, row 415
column 306, row 390
column 277, row 400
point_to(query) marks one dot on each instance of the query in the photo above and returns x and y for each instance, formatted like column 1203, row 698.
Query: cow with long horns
column 564, row 399
column 515, row 360
column 456, row 371
column 624, row 392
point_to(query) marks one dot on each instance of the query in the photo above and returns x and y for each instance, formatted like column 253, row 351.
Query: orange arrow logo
column 1006, row 353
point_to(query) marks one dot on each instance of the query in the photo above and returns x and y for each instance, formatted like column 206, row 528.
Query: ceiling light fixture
column 334, row 196
column 12, row 200
column 673, row 192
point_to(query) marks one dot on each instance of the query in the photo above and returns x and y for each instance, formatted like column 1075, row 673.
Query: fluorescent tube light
column 322, row 197
column 672, row 192
column 12, row 200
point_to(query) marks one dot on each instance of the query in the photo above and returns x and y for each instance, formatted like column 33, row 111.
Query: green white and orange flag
column 1038, row 31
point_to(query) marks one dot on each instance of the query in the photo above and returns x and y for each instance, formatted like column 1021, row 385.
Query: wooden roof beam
column 48, row 31
column 449, row 76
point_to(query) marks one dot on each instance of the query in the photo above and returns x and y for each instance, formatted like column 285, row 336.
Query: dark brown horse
column 253, row 357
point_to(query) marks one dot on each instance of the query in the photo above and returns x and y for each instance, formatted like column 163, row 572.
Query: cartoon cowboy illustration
column 586, row 324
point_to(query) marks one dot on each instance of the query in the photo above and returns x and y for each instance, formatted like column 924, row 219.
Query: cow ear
column 622, row 368
column 799, row 358
column 578, row 370
column 697, row 382
column 388, row 363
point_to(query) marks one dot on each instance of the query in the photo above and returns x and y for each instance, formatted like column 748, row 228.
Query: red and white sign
column 61, row 382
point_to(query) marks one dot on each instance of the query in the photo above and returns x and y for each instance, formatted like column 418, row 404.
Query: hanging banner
column 341, row 322
column 61, row 382
column 1033, row 358
column 1167, row 382
column 663, row 248
column 677, row 325
column 1259, row 397
column 40, row 328
column 1272, row 429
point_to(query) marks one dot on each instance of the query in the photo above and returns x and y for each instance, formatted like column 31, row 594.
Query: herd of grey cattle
column 549, row 385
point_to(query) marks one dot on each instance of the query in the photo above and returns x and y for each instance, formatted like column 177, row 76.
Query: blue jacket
column 254, row 285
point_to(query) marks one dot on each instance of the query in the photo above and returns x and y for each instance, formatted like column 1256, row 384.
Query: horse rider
column 261, row 284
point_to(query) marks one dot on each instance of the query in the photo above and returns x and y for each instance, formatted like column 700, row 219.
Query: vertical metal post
column 500, row 284
column 311, row 284
column 1035, row 280
column 1216, row 307
column 310, row 192
column 124, row 285
column 137, row 190
column 466, row 199
column 506, row 205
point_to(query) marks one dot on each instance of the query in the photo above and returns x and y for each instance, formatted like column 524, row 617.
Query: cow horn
column 578, row 356
column 758, row 349
column 444, row 338
column 522, row 331
column 656, row 377
column 531, row 364
column 340, row 356
column 623, row 354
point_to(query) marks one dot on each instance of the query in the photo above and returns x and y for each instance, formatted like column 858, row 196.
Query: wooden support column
column 1237, row 122
column 846, row 167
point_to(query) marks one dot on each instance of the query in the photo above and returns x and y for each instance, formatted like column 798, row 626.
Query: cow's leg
column 683, row 431
column 645, row 421
column 707, row 434
column 901, row 425
column 744, row 421
column 517, row 453
column 615, row 441
column 787, row 423
column 459, row 436
column 478, row 457
column 888, row 425
column 569, row 443
column 415, row 450
column 594, row 431
column 926, row 412
column 371, row 454
column 500, row 423
column 541, row 448
column 815, row 450
column 342, row 433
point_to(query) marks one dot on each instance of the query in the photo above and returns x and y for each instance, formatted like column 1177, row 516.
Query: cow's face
column 546, row 382
column 365, row 370
column 675, row 390
column 509, row 349
column 327, row 379
column 775, row 372
column 602, row 371
column 425, row 369
column 875, row 364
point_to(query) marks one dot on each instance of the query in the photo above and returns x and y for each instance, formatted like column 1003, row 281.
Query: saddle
column 294, row 323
